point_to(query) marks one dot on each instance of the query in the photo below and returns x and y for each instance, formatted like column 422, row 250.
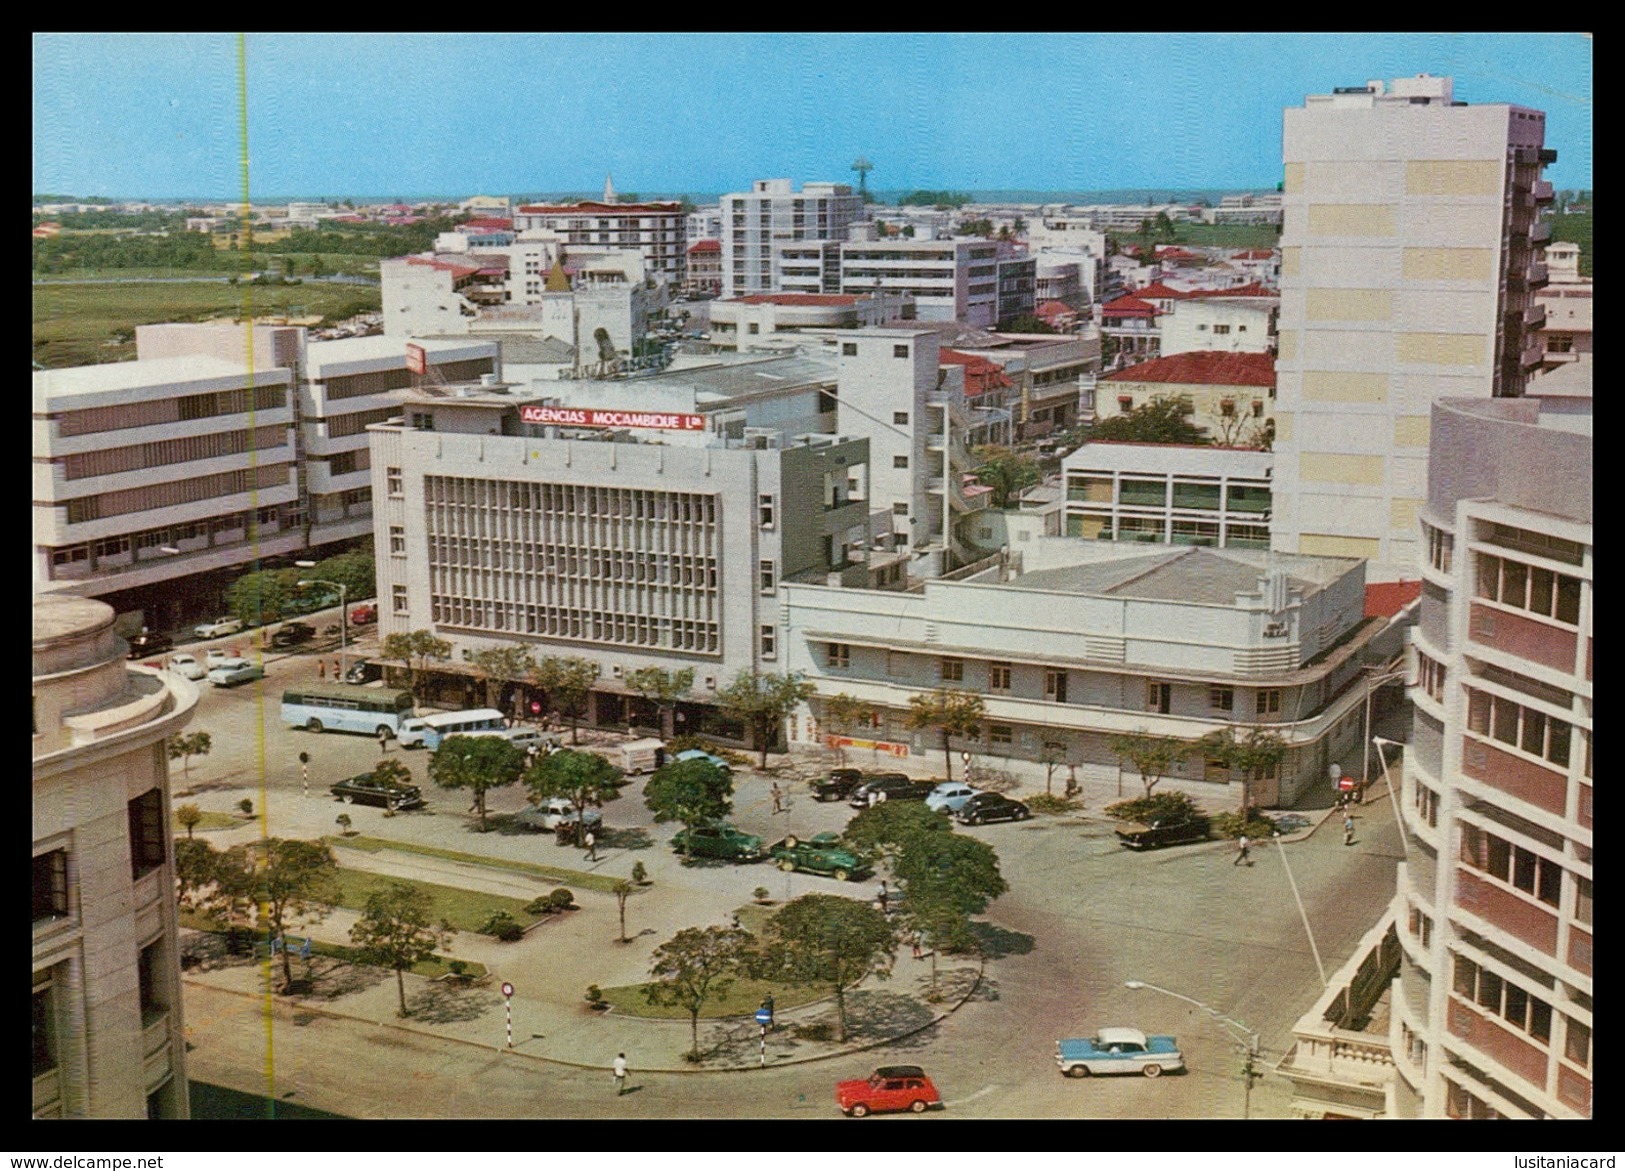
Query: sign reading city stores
column 574, row 417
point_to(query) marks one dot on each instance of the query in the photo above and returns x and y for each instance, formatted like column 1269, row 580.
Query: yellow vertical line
column 246, row 285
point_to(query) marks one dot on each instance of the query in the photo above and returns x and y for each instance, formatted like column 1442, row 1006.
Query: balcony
column 1542, row 191
column 1541, row 232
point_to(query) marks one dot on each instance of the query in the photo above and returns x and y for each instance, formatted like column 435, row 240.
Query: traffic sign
column 764, row 1017
column 507, row 989
column 1346, row 784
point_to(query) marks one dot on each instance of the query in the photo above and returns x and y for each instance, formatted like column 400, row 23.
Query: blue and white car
column 699, row 754
column 234, row 671
column 950, row 797
column 1118, row 1051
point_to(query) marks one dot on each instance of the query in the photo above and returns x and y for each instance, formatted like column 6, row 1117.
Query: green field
column 1237, row 236
column 82, row 325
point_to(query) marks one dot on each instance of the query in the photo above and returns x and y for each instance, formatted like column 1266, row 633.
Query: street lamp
column 1371, row 684
column 1382, row 759
column 1280, row 848
column 1241, row 1033
column 344, row 614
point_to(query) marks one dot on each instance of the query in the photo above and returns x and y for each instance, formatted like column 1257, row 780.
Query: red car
column 891, row 1087
column 364, row 614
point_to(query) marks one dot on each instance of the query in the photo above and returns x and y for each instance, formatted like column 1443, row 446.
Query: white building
column 1099, row 642
column 108, row 1036
column 657, row 231
column 950, row 280
column 1409, row 254
column 1169, row 494
column 1565, row 335
column 738, row 323
column 771, row 212
column 1235, row 321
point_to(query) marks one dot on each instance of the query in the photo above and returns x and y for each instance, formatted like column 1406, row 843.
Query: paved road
column 1082, row 917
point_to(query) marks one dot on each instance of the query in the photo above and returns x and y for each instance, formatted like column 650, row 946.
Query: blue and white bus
column 429, row 731
column 342, row 707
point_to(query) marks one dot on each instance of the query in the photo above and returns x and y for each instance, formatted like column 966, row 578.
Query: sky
column 157, row 116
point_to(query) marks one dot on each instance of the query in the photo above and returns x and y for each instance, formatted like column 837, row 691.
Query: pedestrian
column 778, row 798
column 336, row 671
column 1243, row 851
column 592, row 847
column 918, row 954
column 321, row 669
column 620, row 1074
column 882, row 896
column 383, row 740
column 1348, row 829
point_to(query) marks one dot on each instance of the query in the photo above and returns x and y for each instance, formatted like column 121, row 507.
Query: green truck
column 719, row 841
column 819, row 854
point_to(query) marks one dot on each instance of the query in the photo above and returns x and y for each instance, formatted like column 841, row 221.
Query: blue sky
column 156, row 115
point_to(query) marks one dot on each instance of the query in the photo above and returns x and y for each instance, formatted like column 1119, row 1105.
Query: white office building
column 754, row 222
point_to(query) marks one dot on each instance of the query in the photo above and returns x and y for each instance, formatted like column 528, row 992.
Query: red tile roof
column 981, row 375
column 705, row 246
column 1128, row 307
column 1253, row 290
column 488, row 223
column 1159, row 291
column 1054, row 309
column 832, row 300
column 1254, row 254
column 457, row 268
column 1203, row 368
column 1384, row 599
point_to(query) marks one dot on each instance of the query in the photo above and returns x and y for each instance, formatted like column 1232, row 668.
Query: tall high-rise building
column 753, row 222
column 1410, row 251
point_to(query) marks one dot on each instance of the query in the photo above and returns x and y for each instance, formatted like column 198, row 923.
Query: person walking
column 335, row 670
column 620, row 1074
column 882, row 896
column 778, row 798
column 321, row 668
column 1348, row 828
column 1243, row 851
column 918, row 954
column 383, row 740
column 592, row 847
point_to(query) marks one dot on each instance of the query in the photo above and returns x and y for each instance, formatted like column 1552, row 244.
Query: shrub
column 760, row 894
column 1155, row 806
column 457, row 967
column 640, row 875
column 816, row 1031
column 1048, row 803
column 246, row 806
column 561, row 900
column 1233, row 825
column 504, row 926
column 540, row 905
column 594, row 994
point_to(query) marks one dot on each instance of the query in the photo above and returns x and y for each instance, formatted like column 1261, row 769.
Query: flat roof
column 1194, row 573
column 146, row 372
column 357, row 349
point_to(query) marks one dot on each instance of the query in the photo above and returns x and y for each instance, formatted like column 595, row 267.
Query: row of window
column 1522, row 869
column 611, row 565
column 167, row 495
column 161, row 453
column 1522, row 727
column 171, row 410
column 1528, row 587
column 566, row 499
column 340, row 426
column 641, row 630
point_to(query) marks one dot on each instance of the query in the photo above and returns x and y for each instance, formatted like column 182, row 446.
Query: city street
column 1082, row 917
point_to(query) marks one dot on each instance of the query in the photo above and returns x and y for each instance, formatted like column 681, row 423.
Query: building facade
column 770, row 213
column 1565, row 334
column 1169, row 494
column 658, row 231
column 1410, row 251
column 108, row 1036
column 1230, row 396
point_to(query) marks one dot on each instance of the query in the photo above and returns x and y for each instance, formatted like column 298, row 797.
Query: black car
column 146, row 643
column 992, row 807
column 367, row 790
column 292, row 634
column 890, row 787
column 365, row 671
column 838, row 785
column 1164, row 831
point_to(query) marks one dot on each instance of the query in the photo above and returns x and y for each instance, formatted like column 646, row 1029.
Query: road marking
column 987, row 1089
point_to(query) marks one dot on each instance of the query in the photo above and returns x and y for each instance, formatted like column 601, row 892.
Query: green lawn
column 81, row 325
column 575, row 879
column 742, row 999
column 211, row 821
column 466, row 910
column 1237, row 236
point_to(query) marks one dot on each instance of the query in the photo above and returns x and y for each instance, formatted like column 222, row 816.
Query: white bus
column 341, row 707
column 429, row 731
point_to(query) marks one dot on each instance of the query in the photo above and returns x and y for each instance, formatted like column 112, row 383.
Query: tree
column 418, row 645
column 480, row 763
column 1029, row 323
column 185, row 746
column 1152, row 756
column 980, row 227
column 501, row 664
column 831, row 940
column 1007, row 473
column 356, row 571
column 1255, row 754
column 762, row 700
column 395, row 931
column 292, row 880
column 1162, row 420
column 258, row 598
column 1165, row 229
column 567, row 681
column 694, row 967
column 845, row 712
column 584, row 778
column 662, row 688
column 188, row 816
column 1233, row 423
column 949, row 710
column 689, row 791
column 195, row 864
column 622, row 890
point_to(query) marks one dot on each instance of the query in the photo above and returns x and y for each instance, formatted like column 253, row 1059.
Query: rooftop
column 1192, row 574
column 832, row 300
column 139, row 374
column 360, row 349
column 1203, row 368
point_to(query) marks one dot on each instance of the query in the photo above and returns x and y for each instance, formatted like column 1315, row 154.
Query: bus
column 343, row 707
column 429, row 731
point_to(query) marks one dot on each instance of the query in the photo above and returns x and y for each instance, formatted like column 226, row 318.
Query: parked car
column 187, row 666
column 986, row 807
column 950, row 796
column 292, row 634
column 216, row 655
column 843, row 782
column 889, row 1088
column 146, row 643
column 365, row 614
column 366, row 789
column 891, row 787
column 709, row 758
column 550, row 813
column 234, row 671
column 819, row 854
column 1113, row 1051
column 365, row 671
column 1163, row 831
column 719, row 841
column 219, row 628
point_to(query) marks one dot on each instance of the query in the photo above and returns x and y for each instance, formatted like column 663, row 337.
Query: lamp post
column 1371, row 684
column 1240, row 1033
column 1280, row 848
column 344, row 614
column 1382, row 759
